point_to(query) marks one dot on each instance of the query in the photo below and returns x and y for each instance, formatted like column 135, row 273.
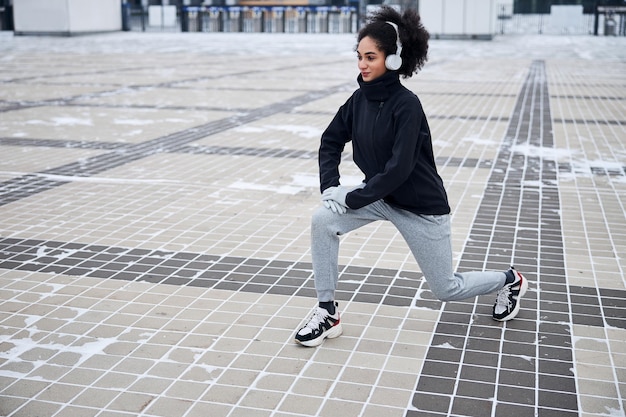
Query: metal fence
column 312, row 19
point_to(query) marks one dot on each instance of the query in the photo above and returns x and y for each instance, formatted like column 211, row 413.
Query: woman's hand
column 334, row 198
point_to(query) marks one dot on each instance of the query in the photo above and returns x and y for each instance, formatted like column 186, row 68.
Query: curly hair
column 413, row 37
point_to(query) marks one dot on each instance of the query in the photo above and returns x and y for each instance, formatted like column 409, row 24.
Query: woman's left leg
column 429, row 238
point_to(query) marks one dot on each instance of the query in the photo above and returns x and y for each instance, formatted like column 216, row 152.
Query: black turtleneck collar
column 382, row 87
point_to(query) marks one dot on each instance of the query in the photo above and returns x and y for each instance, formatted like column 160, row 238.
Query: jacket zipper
column 380, row 109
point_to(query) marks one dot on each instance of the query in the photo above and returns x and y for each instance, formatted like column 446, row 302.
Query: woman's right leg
column 326, row 228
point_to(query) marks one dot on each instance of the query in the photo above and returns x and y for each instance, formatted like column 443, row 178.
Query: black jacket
column 392, row 147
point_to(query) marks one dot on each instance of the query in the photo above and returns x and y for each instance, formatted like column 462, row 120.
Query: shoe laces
column 318, row 317
column 503, row 298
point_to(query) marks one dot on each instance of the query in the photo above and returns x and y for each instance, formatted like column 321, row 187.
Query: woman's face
column 371, row 59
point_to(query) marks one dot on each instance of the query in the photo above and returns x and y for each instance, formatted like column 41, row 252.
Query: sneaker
column 508, row 298
column 320, row 326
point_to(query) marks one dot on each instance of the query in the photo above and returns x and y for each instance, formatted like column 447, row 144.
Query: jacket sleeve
column 407, row 140
column 332, row 144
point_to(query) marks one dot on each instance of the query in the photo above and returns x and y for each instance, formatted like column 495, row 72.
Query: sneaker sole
column 331, row 333
column 522, row 291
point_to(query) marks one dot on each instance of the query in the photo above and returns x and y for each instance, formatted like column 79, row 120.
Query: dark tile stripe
column 525, row 364
column 592, row 121
column 24, row 186
column 586, row 97
column 17, row 188
column 442, row 161
column 370, row 285
column 248, row 151
column 210, row 150
column 465, row 94
column 68, row 100
column 466, row 118
column 72, row 74
column 67, row 144
column 361, row 284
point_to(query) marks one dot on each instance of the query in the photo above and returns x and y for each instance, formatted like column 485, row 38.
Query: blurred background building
column 477, row 19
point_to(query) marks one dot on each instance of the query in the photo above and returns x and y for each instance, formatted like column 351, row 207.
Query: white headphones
column 394, row 61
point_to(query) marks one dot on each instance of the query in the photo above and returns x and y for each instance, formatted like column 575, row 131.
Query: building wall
column 66, row 17
column 459, row 18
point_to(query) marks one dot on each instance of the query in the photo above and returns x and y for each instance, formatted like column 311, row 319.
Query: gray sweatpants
column 427, row 236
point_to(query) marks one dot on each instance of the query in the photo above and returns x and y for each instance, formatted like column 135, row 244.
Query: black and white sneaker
column 508, row 298
column 320, row 326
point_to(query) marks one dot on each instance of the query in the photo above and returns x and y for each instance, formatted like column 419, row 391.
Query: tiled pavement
column 155, row 199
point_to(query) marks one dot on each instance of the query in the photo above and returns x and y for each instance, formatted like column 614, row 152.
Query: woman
column 392, row 146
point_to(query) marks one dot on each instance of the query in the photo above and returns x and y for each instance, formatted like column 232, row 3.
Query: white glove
column 338, row 194
column 335, row 206
column 334, row 198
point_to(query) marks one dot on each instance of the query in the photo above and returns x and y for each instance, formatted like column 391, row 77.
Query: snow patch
column 302, row 131
column 61, row 121
column 101, row 180
column 280, row 189
column 543, row 152
column 24, row 345
column 133, row 122
column 445, row 345
column 249, row 129
column 480, row 141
